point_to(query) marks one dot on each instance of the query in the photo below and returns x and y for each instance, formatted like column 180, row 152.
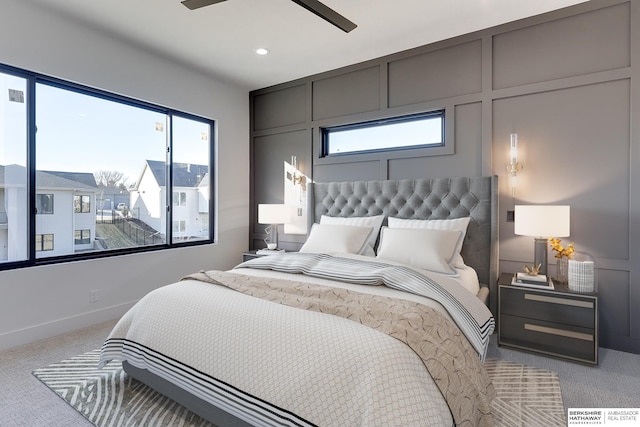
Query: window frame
column 81, row 240
column 32, row 79
column 326, row 131
column 179, row 226
column 178, row 201
column 51, row 197
column 79, row 207
column 42, row 242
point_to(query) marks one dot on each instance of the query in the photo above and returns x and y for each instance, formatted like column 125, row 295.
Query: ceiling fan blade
column 325, row 13
column 196, row 4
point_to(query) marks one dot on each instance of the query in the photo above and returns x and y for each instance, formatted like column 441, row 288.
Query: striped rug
column 527, row 396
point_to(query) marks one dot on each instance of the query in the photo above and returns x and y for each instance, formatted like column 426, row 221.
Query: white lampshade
column 273, row 214
column 542, row 220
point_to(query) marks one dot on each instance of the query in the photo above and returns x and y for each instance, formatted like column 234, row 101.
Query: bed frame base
column 196, row 405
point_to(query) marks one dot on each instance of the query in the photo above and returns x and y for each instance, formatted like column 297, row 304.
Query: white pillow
column 360, row 221
column 456, row 224
column 424, row 248
column 329, row 238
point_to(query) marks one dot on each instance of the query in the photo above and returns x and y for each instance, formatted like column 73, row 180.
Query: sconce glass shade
column 542, row 222
column 513, row 149
column 513, row 167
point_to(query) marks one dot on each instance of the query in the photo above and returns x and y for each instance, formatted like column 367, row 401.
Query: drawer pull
column 555, row 300
column 561, row 332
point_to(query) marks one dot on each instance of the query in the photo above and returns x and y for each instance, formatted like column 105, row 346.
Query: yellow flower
column 561, row 251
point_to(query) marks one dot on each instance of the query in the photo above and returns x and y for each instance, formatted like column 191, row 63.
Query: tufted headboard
column 438, row 198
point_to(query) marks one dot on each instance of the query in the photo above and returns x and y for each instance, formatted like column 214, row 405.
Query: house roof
column 205, row 181
column 78, row 180
column 114, row 190
column 53, row 179
column 184, row 174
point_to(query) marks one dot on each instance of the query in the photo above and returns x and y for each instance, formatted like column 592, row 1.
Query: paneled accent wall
column 566, row 82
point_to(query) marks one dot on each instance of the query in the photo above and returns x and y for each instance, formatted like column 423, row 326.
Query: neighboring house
column 110, row 197
column 190, row 199
column 71, row 217
column 65, row 212
column 13, row 195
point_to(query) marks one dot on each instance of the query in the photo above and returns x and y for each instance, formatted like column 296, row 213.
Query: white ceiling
column 221, row 39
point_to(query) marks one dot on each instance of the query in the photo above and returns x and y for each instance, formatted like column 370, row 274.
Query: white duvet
column 270, row 364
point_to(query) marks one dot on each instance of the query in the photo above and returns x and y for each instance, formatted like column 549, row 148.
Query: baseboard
column 56, row 327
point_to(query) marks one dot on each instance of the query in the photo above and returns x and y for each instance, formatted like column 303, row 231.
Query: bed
column 358, row 328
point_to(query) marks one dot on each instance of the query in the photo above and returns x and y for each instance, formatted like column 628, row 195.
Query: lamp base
column 540, row 254
column 272, row 237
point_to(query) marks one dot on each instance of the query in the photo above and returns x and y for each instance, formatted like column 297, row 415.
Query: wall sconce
column 542, row 222
column 297, row 178
column 514, row 166
column 273, row 215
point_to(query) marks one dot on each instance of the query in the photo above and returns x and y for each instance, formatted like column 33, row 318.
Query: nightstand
column 555, row 322
column 246, row 256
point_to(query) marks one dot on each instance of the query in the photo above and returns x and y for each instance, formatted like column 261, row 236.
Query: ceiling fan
column 314, row 6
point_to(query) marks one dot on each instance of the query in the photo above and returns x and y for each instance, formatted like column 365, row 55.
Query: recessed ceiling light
column 262, row 51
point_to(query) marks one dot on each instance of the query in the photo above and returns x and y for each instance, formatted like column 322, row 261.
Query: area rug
column 527, row 396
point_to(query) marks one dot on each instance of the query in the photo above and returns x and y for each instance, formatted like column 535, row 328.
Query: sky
column 403, row 133
column 98, row 134
column 79, row 133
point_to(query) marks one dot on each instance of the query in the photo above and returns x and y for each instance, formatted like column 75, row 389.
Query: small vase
column 562, row 268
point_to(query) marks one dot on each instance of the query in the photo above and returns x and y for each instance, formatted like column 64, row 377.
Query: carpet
column 527, row 396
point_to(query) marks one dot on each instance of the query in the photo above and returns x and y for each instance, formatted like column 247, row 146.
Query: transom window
column 114, row 166
column 412, row 131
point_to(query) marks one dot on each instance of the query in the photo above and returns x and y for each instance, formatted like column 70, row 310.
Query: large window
column 413, row 131
column 114, row 166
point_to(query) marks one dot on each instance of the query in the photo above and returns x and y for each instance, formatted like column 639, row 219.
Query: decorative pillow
column 328, row 238
column 456, row 224
column 360, row 221
column 424, row 248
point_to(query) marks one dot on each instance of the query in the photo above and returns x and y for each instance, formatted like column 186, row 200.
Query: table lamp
column 273, row 214
column 542, row 222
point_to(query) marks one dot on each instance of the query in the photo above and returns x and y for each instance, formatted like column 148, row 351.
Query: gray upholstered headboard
column 438, row 198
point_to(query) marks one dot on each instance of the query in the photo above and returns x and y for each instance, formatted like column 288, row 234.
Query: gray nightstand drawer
column 556, row 322
column 551, row 338
column 548, row 306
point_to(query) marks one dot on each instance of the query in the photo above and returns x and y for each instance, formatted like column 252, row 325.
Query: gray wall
column 566, row 82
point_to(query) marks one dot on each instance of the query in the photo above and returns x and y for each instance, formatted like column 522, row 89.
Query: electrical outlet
column 93, row 295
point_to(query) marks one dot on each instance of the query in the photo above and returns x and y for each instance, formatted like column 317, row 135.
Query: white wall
column 44, row 301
